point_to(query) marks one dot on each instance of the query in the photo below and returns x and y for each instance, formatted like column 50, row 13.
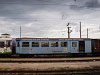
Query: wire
column 35, row 3
column 38, row 19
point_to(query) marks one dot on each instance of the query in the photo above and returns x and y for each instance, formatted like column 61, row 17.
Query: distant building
column 5, row 35
column 5, row 43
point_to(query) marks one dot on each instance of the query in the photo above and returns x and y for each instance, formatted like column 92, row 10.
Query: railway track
column 26, row 66
column 42, row 60
column 52, row 72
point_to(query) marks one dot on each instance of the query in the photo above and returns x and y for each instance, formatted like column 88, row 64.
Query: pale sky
column 48, row 18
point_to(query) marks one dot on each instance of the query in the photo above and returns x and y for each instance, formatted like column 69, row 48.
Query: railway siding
column 42, row 60
column 48, row 67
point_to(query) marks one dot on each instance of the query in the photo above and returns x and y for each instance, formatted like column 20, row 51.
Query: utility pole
column 87, row 32
column 20, row 31
column 80, row 29
column 68, row 30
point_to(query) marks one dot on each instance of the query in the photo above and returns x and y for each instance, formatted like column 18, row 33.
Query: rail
column 52, row 72
column 42, row 60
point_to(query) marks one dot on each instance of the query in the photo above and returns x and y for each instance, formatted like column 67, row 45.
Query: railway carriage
column 50, row 46
column 5, row 45
column 32, row 46
column 96, row 47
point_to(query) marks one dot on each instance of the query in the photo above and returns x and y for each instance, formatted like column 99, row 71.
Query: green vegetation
column 6, row 53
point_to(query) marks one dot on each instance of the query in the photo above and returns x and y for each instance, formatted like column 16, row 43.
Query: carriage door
column 81, row 46
column 74, row 47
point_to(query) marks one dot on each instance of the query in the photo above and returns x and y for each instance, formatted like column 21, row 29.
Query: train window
column 18, row 44
column 44, row 44
column 54, row 44
column 8, row 44
column 25, row 44
column 35, row 44
column 63, row 44
column 74, row 44
column 1, row 44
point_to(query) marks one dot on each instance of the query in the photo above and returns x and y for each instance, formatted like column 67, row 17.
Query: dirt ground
column 49, row 66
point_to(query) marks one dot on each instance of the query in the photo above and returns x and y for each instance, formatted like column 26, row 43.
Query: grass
column 6, row 53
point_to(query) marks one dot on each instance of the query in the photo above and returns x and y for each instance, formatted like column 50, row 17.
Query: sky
column 49, row 18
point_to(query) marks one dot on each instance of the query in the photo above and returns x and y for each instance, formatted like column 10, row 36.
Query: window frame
column 8, row 45
column 54, row 44
column 45, row 44
column 35, row 45
column 18, row 44
column 25, row 45
column 64, row 44
column 74, row 44
column 2, row 44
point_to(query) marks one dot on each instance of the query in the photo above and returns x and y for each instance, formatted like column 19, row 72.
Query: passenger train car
column 49, row 46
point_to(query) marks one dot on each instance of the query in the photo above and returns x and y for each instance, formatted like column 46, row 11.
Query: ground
column 50, row 66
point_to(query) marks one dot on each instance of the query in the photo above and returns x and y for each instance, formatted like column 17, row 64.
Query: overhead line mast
column 20, row 31
column 68, row 30
column 80, row 29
